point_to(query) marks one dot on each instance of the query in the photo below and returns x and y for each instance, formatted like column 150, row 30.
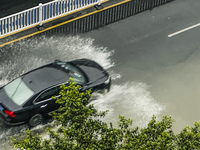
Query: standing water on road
column 132, row 100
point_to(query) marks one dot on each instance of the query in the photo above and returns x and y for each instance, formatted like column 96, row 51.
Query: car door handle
column 43, row 106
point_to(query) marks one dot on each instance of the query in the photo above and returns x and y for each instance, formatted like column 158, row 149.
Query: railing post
column 99, row 3
column 40, row 26
column 40, row 14
column 98, row 6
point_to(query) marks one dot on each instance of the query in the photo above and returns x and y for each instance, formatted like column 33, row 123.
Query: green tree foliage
column 80, row 128
column 156, row 136
column 189, row 137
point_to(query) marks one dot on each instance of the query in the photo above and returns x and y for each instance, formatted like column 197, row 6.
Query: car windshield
column 73, row 72
column 18, row 91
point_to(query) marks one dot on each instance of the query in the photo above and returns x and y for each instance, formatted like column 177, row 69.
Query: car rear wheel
column 35, row 120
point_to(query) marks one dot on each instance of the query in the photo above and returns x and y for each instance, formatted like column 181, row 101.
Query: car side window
column 48, row 94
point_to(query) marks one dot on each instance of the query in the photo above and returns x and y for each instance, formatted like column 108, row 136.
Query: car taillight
column 9, row 113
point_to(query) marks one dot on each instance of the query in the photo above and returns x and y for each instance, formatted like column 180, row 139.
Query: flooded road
column 152, row 73
column 168, row 66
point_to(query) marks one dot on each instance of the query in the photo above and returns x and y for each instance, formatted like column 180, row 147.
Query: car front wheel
column 35, row 120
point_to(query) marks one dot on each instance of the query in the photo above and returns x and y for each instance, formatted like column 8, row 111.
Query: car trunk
column 6, row 102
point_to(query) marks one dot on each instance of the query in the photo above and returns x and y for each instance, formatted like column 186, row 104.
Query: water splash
column 132, row 100
column 31, row 53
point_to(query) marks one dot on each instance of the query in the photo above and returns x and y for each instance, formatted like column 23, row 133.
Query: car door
column 45, row 103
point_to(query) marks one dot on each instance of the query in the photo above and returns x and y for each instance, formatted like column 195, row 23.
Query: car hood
column 92, row 70
column 93, row 74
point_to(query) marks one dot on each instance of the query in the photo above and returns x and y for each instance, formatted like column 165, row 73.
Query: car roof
column 44, row 77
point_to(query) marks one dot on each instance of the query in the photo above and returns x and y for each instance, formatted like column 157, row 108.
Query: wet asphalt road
column 144, row 52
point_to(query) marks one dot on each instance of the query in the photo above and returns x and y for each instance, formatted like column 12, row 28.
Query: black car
column 27, row 99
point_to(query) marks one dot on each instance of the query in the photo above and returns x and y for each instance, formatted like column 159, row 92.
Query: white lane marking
column 186, row 29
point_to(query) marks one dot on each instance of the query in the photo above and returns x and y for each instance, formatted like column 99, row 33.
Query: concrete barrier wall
column 107, row 16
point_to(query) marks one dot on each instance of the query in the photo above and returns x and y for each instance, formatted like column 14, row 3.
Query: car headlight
column 108, row 80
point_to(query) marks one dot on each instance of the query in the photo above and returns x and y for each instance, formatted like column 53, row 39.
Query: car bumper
column 107, row 84
column 104, row 88
column 9, row 121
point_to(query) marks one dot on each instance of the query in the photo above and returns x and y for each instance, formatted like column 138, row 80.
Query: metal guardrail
column 41, row 13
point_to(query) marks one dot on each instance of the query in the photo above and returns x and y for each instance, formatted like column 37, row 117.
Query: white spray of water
column 32, row 53
column 132, row 100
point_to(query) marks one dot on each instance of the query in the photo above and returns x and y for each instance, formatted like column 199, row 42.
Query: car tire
column 103, row 91
column 35, row 120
